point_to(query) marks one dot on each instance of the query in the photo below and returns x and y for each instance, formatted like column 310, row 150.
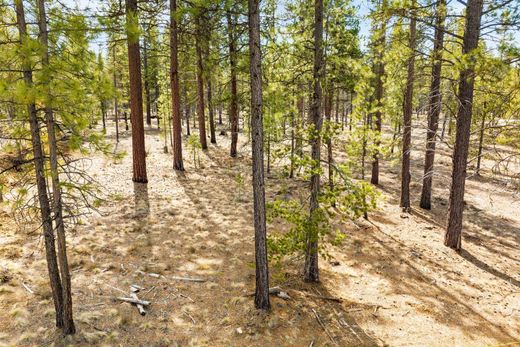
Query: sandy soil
column 398, row 285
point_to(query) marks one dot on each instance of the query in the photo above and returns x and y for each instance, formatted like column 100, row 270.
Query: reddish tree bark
column 136, row 97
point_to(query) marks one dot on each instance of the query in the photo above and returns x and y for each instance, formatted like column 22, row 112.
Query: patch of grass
column 5, row 276
column 11, row 251
column 94, row 337
column 89, row 317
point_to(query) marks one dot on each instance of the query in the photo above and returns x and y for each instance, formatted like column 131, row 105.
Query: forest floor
column 398, row 284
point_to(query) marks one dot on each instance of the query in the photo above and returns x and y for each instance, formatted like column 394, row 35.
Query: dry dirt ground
column 398, row 285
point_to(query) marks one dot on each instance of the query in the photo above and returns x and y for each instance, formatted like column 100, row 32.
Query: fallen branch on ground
column 140, row 307
column 134, row 301
column 188, row 279
column 323, row 326
column 27, row 288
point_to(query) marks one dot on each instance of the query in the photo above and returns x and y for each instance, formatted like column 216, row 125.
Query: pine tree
column 311, row 270
column 453, row 234
column 136, row 94
column 39, row 167
column 257, row 137
column 407, row 115
column 57, row 208
column 174, row 81
column 233, row 105
column 434, row 107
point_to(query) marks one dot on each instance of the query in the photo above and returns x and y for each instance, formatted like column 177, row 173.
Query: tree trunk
column 460, row 152
column 233, row 107
column 364, row 145
column 444, row 126
column 407, row 117
column 481, row 140
column 380, row 71
column 336, row 111
column 200, row 88
column 291, row 171
column 311, row 270
column 187, row 110
column 328, row 115
column 211, row 111
column 68, row 322
column 434, row 107
column 104, row 116
column 174, row 82
column 351, row 109
column 147, row 83
column 116, row 106
column 255, row 63
column 41, row 184
column 136, row 95
column 299, row 126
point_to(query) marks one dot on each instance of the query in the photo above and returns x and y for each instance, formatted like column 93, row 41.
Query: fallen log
column 188, row 279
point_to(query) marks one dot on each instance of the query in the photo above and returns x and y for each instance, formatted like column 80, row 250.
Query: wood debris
column 134, row 301
column 140, row 307
column 27, row 288
column 187, row 279
column 318, row 318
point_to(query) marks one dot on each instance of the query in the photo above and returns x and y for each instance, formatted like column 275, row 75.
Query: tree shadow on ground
column 219, row 198
column 481, row 265
column 402, row 266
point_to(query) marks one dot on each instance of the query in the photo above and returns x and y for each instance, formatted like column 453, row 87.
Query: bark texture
column 233, row 107
column 257, row 136
column 311, row 270
column 200, row 88
column 136, row 96
column 407, row 117
column 434, row 109
column 41, row 183
column 453, row 234
column 174, row 82
column 378, row 95
column 57, row 206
